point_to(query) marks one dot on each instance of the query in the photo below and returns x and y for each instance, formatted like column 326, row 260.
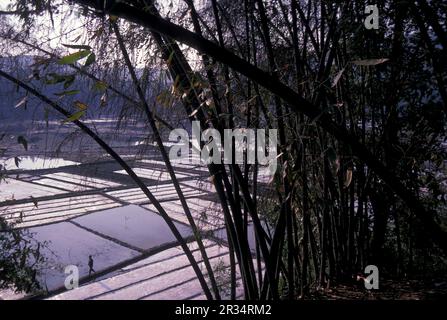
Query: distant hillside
column 33, row 109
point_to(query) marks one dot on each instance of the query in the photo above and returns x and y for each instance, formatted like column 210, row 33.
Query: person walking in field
column 90, row 265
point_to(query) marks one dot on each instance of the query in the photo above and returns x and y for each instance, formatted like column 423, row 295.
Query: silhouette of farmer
column 90, row 265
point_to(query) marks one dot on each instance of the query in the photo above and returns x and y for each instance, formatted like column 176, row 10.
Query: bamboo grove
column 360, row 115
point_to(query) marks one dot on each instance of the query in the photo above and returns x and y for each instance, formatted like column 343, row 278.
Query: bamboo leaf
column 55, row 78
column 194, row 112
column 175, row 85
column 21, row 140
column 348, row 178
column 169, row 61
column 165, row 98
column 80, row 105
column 252, row 99
column 91, row 59
column 69, row 81
column 100, row 86
column 17, row 161
column 337, row 78
column 103, row 100
column 74, row 116
column 370, row 62
column 67, row 93
column 77, row 38
column 22, row 102
column 73, row 57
